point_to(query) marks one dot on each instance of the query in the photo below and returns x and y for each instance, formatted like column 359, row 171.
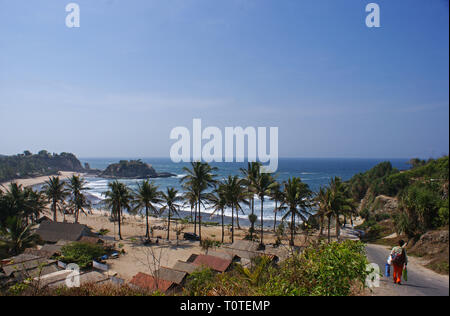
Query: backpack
column 399, row 258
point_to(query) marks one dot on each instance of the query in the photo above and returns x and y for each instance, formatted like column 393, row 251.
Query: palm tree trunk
column 147, row 234
column 329, row 229
column 120, row 232
column 54, row 211
column 275, row 219
column 252, row 201
column 232, row 224
column 262, row 221
column 168, row 226
column 223, row 228
column 321, row 225
column 199, row 220
column 195, row 218
column 292, row 228
column 338, row 227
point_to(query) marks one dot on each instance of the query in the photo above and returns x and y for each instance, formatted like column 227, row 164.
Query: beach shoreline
column 30, row 182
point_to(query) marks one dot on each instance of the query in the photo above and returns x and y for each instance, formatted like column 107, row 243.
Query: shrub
column 325, row 270
column 81, row 253
column 200, row 283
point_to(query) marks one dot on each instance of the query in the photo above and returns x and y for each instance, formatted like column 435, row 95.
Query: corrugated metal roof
column 214, row 263
column 148, row 282
column 88, row 277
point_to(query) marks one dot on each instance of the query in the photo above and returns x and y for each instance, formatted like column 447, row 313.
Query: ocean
column 316, row 172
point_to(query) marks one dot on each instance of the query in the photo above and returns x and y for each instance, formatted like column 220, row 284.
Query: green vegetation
column 29, row 165
column 422, row 193
column 333, row 269
column 421, row 205
column 81, row 253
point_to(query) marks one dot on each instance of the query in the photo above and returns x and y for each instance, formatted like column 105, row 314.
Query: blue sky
column 135, row 69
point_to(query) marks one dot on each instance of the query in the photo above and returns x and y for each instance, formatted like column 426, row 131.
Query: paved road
column 421, row 281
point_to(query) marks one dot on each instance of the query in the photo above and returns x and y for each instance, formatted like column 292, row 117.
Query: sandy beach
column 140, row 258
column 27, row 182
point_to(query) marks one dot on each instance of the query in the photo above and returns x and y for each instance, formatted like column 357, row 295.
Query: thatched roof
column 175, row 276
column 53, row 232
column 21, row 263
column 187, row 267
column 245, row 245
column 223, row 255
column 214, row 263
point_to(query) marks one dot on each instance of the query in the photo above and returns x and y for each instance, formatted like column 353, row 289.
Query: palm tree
column 146, row 197
column 35, row 204
column 323, row 210
column 250, row 175
column 23, row 202
column 296, row 199
column 199, row 179
column 262, row 185
column 340, row 201
column 18, row 234
column 170, row 200
column 56, row 193
column 234, row 193
column 218, row 201
column 78, row 201
column 118, row 198
column 191, row 199
column 277, row 196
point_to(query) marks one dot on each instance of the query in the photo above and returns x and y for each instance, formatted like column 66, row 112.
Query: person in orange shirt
column 399, row 261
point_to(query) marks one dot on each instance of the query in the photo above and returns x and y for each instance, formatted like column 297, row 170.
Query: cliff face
column 133, row 169
column 43, row 163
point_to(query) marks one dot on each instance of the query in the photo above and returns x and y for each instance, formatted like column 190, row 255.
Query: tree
column 340, row 201
column 323, row 210
column 78, row 201
column 296, row 199
column 250, row 175
column 234, row 193
column 199, row 179
column 22, row 202
column 170, row 198
column 118, row 198
column 218, row 201
column 277, row 196
column 263, row 185
column 147, row 197
column 56, row 193
column 190, row 197
column 19, row 235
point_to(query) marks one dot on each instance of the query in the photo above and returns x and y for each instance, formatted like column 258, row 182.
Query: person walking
column 399, row 261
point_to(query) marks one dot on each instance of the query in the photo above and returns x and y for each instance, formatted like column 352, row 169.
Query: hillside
column 133, row 169
column 412, row 205
column 34, row 165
